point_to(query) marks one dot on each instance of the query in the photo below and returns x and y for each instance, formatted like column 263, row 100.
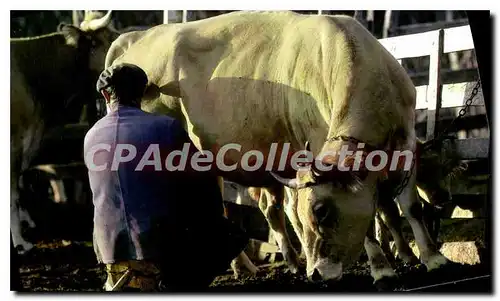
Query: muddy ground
column 71, row 266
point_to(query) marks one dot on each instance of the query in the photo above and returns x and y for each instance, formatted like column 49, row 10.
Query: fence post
column 433, row 106
column 165, row 17
column 434, row 88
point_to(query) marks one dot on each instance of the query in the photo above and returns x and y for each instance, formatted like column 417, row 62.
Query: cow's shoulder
column 121, row 45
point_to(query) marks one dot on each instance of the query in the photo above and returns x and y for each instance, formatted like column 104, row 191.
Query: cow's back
column 263, row 62
column 255, row 78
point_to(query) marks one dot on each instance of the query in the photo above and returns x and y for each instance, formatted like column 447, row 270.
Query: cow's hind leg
column 271, row 204
column 240, row 262
column 412, row 209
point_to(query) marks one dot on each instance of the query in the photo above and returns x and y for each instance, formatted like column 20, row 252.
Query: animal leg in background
column 271, row 204
column 379, row 265
column 412, row 210
column 15, row 218
column 389, row 215
column 241, row 261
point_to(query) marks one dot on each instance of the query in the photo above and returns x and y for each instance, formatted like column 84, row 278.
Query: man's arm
column 199, row 188
column 180, row 138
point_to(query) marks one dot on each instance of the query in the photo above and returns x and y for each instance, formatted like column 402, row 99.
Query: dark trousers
column 190, row 257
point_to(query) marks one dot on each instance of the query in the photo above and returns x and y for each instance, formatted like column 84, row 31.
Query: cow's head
column 332, row 210
column 92, row 39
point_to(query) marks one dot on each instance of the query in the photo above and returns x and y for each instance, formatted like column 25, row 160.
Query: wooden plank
column 472, row 148
column 421, row 44
column 466, row 123
column 408, row 46
column 423, row 27
column 165, row 17
column 421, row 97
column 447, row 76
column 434, row 88
column 453, row 95
column 458, row 39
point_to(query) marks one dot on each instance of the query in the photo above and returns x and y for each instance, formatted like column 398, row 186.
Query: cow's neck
column 53, row 71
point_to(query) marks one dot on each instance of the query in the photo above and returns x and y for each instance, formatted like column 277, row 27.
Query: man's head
column 122, row 84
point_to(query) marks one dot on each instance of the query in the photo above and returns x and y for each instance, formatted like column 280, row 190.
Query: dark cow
column 52, row 78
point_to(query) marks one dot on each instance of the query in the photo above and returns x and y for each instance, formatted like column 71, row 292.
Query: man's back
column 149, row 221
column 128, row 198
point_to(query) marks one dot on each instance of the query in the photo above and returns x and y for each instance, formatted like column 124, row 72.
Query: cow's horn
column 308, row 146
column 292, row 183
column 97, row 23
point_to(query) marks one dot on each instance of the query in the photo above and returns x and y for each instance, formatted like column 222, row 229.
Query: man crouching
column 154, row 229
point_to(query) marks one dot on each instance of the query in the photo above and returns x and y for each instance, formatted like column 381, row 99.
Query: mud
column 71, row 266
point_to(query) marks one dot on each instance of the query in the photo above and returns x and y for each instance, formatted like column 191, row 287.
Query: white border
column 212, row 4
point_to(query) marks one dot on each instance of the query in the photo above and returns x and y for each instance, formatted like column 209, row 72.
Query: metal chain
column 427, row 145
column 406, row 179
column 461, row 114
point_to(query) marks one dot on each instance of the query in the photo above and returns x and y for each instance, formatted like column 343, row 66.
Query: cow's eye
column 321, row 212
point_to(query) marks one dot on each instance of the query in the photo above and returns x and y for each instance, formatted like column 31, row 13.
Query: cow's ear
column 71, row 33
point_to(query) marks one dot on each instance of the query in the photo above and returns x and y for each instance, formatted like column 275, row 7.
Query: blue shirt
column 128, row 203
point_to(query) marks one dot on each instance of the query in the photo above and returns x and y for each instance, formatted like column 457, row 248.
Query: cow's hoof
column 244, row 273
column 292, row 261
column 294, row 269
column 387, row 284
column 236, row 276
column 436, row 261
column 380, row 274
column 24, row 248
column 408, row 260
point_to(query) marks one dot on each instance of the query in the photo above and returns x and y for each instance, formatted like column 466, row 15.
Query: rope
column 446, row 283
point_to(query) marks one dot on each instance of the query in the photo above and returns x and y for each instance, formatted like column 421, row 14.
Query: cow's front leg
column 382, row 234
column 412, row 210
column 389, row 213
column 380, row 268
column 291, row 205
column 271, row 204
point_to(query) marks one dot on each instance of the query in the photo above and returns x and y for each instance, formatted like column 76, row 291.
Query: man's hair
column 125, row 83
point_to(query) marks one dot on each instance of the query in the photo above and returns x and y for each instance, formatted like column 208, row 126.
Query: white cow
column 258, row 78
